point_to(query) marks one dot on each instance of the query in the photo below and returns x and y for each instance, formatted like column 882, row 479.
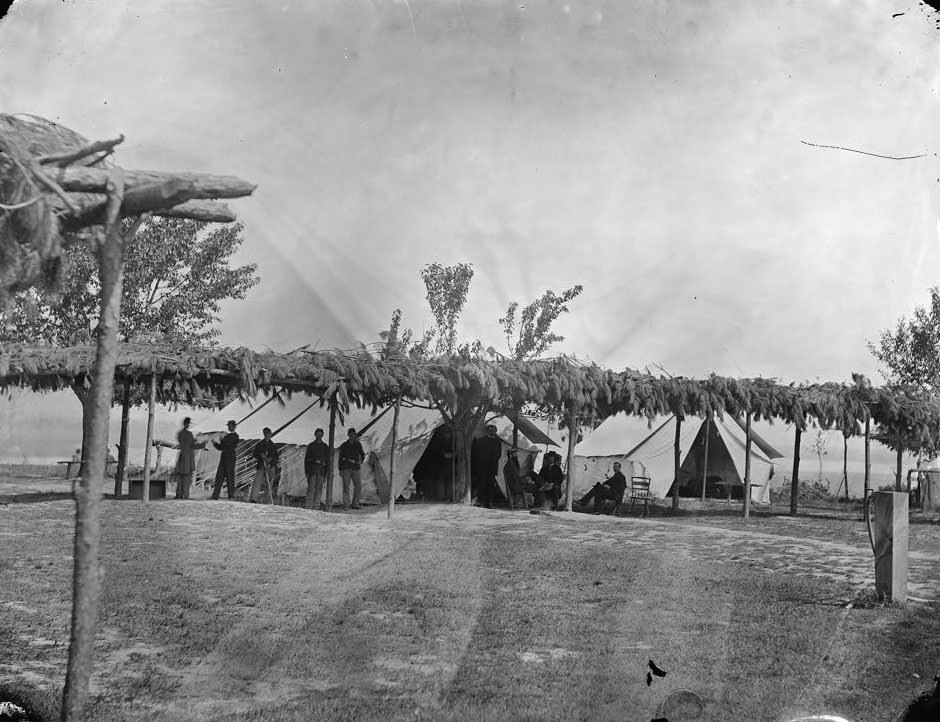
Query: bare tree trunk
column 82, row 394
column 121, row 472
column 462, row 481
column 795, row 481
column 86, row 581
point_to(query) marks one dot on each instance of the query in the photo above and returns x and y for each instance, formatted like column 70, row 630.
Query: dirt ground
column 230, row 611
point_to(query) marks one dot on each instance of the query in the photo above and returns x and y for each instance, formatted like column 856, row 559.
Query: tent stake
column 572, row 441
column 795, row 481
column 329, row 462
column 391, row 461
column 678, row 456
column 150, row 409
column 747, row 467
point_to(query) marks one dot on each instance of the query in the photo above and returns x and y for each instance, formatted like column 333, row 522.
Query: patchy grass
column 225, row 611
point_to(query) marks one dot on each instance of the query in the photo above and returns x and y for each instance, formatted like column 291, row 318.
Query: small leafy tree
column 533, row 335
column 820, row 447
column 447, row 287
column 910, row 352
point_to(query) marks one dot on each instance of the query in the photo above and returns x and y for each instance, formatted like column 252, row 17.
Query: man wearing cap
column 551, row 478
column 351, row 457
column 228, row 446
column 485, row 453
column 315, row 462
column 266, row 458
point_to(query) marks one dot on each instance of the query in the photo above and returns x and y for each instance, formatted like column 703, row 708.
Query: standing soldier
column 186, row 461
column 266, row 458
column 315, row 461
column 351, row 457
column 228, row 445
column 485, row 453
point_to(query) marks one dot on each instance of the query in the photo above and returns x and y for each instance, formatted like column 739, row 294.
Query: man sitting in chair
column 612, row 488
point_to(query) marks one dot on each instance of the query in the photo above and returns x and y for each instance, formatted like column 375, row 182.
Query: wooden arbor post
column 391, row 461
column 708, row 433
column 121, row 472
column 151, row 403
column 795, row 481
column 572, row 442
column 86, row 576
column 747, row 466
column 331, row 455
column 678, row 460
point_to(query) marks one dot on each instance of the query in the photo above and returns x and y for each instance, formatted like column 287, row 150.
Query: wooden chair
column 517, row 497
column 640, row 489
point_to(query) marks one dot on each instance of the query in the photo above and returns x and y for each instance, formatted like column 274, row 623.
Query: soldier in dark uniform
column 226, row 470
column 485, row 453
column 351, row 457
column 315, row 464
column 266, row 459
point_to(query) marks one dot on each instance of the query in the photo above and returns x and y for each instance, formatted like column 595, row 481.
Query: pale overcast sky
column 647, row 150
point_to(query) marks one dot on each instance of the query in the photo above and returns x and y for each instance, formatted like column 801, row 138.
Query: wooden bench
column 68, row 466
column 640, row 490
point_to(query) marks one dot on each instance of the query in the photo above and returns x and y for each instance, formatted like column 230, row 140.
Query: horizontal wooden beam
column 83, row 179
column 207, row 211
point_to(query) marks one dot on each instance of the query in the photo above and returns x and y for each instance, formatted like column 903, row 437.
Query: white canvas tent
column 654, row 455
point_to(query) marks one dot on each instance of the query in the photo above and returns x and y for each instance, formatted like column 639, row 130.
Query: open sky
column 650, row 151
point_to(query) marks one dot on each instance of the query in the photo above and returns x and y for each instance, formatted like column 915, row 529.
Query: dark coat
column 351, row 455
column 316, row 458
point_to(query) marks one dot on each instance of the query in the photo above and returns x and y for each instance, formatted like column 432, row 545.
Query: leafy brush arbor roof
column 550, row 385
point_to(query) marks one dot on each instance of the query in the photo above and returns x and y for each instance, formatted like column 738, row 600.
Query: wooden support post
column 867, row 500
column 453, row 468
column 391, row 461
column 151, row 402
column 678, row 458
column 845, row 464
column 331, row 455
column 572, row 442
column 121, row 472
column 795, row 481
column 897, row 478
column 86, row 572
column 747, row 466
column 708, row 432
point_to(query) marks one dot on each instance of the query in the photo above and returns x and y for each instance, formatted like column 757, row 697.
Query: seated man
column 550, row 479
column 612, row 488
